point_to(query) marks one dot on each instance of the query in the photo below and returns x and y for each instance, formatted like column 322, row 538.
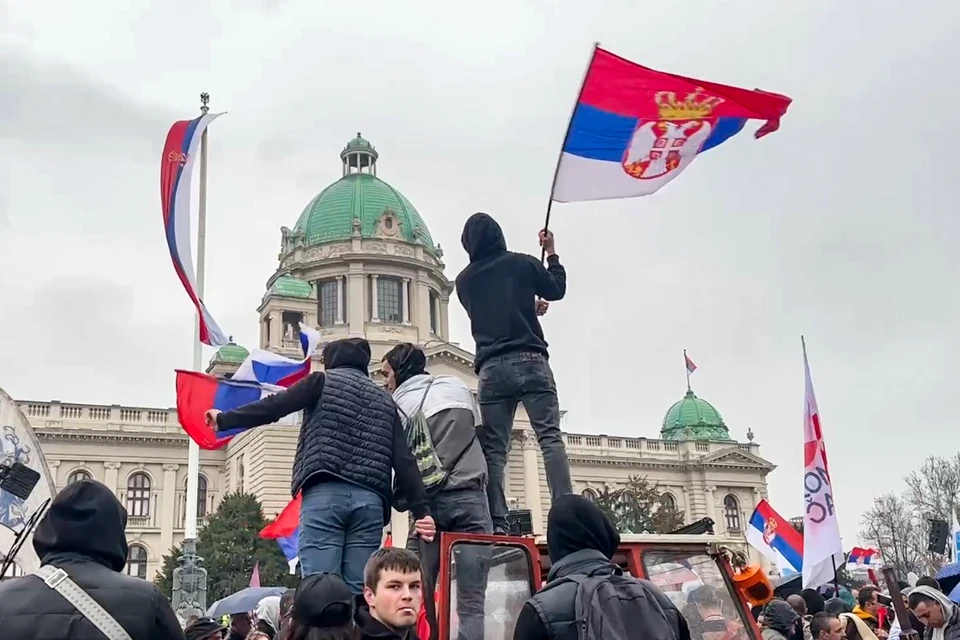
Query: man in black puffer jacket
column 350, row 439
column 581, row 540
column 83, row 534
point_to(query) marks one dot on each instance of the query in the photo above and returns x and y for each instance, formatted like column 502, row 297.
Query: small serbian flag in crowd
column 267, row 367
column 286, row 531
column 635, row 129
column 860, row 557
column 776, row 539
column 176, row 170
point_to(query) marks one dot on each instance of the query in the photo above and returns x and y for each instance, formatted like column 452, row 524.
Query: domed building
column 360, row 261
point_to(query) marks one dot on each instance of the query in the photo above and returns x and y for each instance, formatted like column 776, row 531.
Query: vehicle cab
column 491, row 577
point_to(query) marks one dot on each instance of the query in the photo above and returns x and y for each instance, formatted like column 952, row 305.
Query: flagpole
column 193, row 458
column 556, row 170
column 687, row 369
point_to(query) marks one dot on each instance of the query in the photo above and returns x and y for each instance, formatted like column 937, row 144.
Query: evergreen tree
column 230, row 546
column 639, row 507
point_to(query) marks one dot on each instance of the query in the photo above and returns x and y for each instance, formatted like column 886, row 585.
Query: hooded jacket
column 779, row 620
column 83, row 534
column 351, row 429
column 580, row 540
column 498, row 289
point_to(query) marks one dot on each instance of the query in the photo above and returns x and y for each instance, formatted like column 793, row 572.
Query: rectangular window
column 388, row 300
column 291, row 327
column 327, row 299
column 434, row 320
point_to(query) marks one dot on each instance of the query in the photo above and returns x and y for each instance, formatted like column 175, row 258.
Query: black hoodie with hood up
column 499, row 288
column 83, row 534
column 306, row 396
column 581, row 540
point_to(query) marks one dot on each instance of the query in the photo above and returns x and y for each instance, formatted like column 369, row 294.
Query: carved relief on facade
column 403, row 250
column 374, row 247
column 326, row 251
column 388, row 226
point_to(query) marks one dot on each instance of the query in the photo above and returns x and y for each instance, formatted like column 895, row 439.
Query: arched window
column 667, row 501
column 78, row 476
column 137, row 561
column 201, row 497
column 138, row 495
column 628, row 500
column 589, row 494
column 731, row 512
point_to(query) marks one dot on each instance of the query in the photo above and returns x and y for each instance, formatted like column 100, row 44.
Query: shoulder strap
column 425, row 392
column 59, row 581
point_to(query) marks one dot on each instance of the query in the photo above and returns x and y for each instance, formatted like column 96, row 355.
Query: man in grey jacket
column 451, row 463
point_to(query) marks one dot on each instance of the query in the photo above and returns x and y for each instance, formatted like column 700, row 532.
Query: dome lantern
column 359, row 156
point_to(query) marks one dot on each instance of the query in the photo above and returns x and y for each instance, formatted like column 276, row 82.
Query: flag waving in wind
column 286, row 531
column 822, row 547
column 635, row 129
column 176, row 169
column 774, row 537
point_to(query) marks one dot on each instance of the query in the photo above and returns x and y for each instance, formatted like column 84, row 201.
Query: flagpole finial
column 204, row 102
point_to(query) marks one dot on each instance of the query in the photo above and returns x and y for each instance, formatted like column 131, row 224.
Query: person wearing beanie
column 323, row 609
column 204, row 629
column 82, row 533
column 350, row 442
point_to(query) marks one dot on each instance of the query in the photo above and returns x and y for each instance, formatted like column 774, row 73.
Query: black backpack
column 612, row 606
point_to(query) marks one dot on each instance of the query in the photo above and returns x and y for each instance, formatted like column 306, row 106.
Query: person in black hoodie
column 83, row 534
column 581, row 540
column 350, row 439
column 498, row 289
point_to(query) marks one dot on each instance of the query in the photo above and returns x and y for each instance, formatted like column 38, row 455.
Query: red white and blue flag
column 860, row 557
column 774, row 537
column 690, row 366
column 267, row 367
column 176, row 169
column 286, row 531
column 635, row 129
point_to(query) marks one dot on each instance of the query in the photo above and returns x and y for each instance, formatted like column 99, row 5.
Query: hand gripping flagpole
column 556, row 171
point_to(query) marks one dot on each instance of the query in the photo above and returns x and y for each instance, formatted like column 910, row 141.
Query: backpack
column 416, row 431
column 612, row 606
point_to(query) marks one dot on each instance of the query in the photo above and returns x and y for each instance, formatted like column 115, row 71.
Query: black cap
column 203, row 628
column 323, row 600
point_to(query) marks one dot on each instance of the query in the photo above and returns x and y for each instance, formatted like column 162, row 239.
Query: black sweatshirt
column 305, row 395
column 499, row 288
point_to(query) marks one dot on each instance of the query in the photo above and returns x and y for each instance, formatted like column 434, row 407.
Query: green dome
column 290, row 287
column 230, row 352
column 693, row 419
column 361, row 196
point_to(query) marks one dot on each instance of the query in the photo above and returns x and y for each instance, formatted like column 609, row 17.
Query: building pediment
column 734, row 457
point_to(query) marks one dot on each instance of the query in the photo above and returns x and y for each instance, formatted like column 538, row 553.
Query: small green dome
column 230, row 352
column 693, row 419
column 362, row 197
column 290, row 287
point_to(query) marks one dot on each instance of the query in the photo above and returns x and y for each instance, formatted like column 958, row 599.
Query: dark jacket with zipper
column 373, row 629
column 351, row 429
column 83, row 534
column 499, row 288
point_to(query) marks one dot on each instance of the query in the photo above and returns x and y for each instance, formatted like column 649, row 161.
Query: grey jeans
column 505, row 382
column 460, row 511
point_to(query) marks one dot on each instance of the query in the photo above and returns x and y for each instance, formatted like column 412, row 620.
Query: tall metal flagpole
column 190, row 579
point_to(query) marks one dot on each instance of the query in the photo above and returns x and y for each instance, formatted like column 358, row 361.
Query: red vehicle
column 514, row 568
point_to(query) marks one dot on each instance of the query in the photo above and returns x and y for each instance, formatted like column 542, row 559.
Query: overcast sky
column 841, row 226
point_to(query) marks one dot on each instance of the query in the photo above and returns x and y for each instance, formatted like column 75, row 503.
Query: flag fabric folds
column 774, row 537
column 176, row 169
column 267, row 367
column 861, row 557
column 822, row 546
column 286, row 531
column 690, row 366
column 198, row 392
column 635, row 129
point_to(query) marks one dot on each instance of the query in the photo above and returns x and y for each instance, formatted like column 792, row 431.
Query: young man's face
column 391, row 377
column 872, row 607
column 397, row 598
column 929, row 613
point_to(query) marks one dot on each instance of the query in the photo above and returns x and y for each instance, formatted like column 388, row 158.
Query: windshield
column 694, row 582
column 488, row 587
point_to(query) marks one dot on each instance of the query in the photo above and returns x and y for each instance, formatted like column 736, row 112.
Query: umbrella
column 242, row 601
column 949, row 576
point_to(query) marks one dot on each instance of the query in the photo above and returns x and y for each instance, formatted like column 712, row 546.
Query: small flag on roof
column 635, row 129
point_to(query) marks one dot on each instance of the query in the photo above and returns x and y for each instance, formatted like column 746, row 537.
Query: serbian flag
column 286, row 531
column 690, row 366
column 267, row 367
column 198, row 392
column 634, row 129
column 860, row 557
column 774, row 537
column 176, row 169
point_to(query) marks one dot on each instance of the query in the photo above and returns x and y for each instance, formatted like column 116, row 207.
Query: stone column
column 374, row 312
column 356, row 298
column 531, row 480
column 341, row 283
column 444, row 318
column 712, row 507
column 405, row 300
column 422, row 314
column 276, row 329
column 168, row 504
column 111, row 476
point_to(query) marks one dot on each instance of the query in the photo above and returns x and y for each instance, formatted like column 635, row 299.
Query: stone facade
column 381, row 285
